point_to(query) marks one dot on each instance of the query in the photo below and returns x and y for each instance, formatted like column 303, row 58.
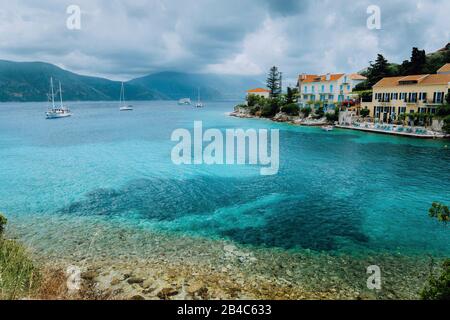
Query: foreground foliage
column 438, row 288
column 18, row 275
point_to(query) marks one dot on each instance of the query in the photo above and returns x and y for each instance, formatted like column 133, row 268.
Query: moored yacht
column 55, row 112
column 199, row 104
column 122, row 104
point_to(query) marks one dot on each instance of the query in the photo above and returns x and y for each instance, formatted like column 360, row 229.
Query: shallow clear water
column 340, row 191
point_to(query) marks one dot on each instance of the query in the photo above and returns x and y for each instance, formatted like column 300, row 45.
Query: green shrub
column 3, row 222
column 239, row 106
column 333, row 117
column 306, row 111
column 364, row 112
column 319, row 112
column 438, row 288
column 18, row 276
column 446, row 126
column 254, row 110
column 254, row 100
column 443, row 111
column 291, row 109
column 439, row 211
column 270, row 109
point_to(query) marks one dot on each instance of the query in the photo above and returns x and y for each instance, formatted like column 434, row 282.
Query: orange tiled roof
column 355, row 76
column 307, row 78
column 423, row 79
column 258, row 90
column 444, row 68
column 417, row 77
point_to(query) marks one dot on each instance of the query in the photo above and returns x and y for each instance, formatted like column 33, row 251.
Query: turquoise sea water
column 340, row 191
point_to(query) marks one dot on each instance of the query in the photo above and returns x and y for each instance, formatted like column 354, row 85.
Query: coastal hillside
column 177, row 85
column 29, row 81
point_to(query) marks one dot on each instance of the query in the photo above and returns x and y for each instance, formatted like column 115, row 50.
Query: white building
column 261, row 92
column 330, row 90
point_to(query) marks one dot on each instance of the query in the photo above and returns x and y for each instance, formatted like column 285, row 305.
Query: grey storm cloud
column 124, row 39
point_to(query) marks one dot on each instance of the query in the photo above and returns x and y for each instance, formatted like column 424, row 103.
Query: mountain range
column 29, row 81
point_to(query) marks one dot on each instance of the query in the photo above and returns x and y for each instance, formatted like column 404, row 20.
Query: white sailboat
column 199, row 104
column 55, row 112
column 122, row 104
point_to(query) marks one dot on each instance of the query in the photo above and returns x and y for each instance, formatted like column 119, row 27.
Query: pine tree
column 418, row 61
column 274, row 82
column 289, row 96
column 378, row 70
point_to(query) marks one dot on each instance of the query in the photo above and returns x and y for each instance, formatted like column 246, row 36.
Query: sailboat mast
column 60, row 94
column 53, row 93
column 122, row 94
column 123, row 90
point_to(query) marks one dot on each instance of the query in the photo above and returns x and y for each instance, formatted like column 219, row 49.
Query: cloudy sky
column 125, row 39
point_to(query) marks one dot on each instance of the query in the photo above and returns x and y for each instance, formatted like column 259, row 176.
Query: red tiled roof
column 423, row 79
column 307, row 78
column 444, row 68
column 356, row 76
column 258, row 90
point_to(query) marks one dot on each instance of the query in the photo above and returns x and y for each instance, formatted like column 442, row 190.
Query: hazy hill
column 29, row 81
column 176, row 85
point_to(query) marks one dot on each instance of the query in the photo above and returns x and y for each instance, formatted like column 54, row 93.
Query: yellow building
column 409, row 94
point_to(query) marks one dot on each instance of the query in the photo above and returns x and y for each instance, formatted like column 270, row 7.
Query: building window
column 331, row 88
column 306, row 89
column 312, row 89
column 323, row 88
column 439, row 97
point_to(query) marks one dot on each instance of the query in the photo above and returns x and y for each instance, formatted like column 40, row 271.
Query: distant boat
column 55, row 112
column 184, row 102
column 328, row 128
column 199, row 104
column 122, row 103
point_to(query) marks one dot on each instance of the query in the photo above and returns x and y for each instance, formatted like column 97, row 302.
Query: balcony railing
column 422, row 101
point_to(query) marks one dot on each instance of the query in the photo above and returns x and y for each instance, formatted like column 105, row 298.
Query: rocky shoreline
column 281, row 117
column 244, row 275
column 124, row 262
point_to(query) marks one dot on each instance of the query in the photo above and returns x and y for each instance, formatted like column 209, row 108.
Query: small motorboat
column 126, row 108
column 327, row 128
column 184, row 102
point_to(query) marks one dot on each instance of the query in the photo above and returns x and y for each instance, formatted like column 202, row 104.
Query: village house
column 422, row 93
column 261, row 92
column 328, row 90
